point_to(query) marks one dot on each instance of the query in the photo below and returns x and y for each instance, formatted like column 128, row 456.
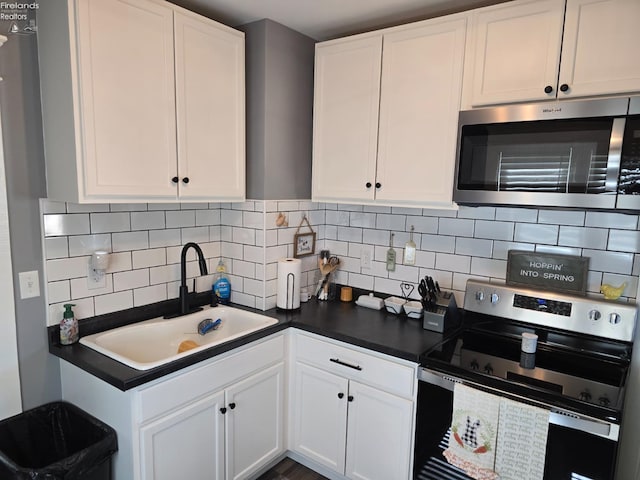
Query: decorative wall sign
column 551, row 271
column 304, row 243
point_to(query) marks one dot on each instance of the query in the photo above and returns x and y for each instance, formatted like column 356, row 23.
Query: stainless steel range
column 577, row 372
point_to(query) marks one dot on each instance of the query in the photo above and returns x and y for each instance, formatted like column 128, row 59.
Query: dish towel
column 474, row 426
column 522, row 441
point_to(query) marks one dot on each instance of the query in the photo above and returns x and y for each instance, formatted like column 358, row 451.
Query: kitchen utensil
column 391, row 255
column 326, row 269
column 410, row 250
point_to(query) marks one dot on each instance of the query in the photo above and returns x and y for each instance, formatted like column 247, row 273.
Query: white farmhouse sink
column 151, row 343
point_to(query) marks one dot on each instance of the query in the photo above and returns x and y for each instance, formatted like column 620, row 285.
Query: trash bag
column 56, row 441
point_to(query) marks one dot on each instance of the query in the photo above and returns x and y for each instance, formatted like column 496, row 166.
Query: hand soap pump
column 68, row 326
column 222, row 287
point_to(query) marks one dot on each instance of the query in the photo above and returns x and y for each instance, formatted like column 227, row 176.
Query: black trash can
column 56, row 441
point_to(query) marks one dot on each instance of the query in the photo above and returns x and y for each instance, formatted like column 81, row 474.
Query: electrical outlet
column 29, row 284
column 366, row 256
column 95, row 279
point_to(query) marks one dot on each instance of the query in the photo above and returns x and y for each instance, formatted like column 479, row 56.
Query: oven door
column 578, row 447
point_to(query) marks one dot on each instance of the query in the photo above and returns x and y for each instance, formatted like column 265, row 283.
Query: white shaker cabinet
column 142, row 101
column 353, row 411
column 531, row 50
column 385, row 114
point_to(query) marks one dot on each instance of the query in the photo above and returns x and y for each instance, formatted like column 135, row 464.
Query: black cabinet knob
column 548, row 89
column 368, row 185
column 185, row 180
column 232, row 406
column 378, row 184
column 341, row 395
column 175, row 179
column 350, row 398
column 223, row 410
column 564, row 87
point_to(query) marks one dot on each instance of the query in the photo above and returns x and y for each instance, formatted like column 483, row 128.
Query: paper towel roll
column 288, row 287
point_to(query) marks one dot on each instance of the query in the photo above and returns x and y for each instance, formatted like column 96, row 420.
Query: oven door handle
column 557, row 416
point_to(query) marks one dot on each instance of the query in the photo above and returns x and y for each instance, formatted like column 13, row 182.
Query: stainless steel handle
column 615, row 152
column 345, row 364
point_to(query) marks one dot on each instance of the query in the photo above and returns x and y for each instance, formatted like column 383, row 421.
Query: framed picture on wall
column 304, row 244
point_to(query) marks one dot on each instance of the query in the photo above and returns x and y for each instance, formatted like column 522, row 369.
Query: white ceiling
column 325, row 19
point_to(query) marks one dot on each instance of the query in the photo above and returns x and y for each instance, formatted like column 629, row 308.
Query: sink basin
column 151, row 343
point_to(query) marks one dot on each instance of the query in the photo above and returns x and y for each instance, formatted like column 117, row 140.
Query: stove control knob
column 480, row 296
column 474, row 365
column 615, row 318
column 585, row 396
column 594, row 315
column 488, row 369
column 494, row 298
column 604, row 401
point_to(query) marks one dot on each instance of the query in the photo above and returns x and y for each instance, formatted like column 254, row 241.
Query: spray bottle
column 222, row 287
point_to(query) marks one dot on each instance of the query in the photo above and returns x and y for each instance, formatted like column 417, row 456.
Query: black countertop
column 380, row 331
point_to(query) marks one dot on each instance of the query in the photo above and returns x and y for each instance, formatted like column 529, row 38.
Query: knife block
column 444, row 315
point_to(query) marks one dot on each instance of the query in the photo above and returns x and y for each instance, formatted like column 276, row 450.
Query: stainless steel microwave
column 564, row 154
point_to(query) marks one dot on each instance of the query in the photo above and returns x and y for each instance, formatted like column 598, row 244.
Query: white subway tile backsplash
column 121, row 242
column 522, row 215
column 207, row 217
column 51, row 206
column 425, row 259
column 66, row 224
column 375, row 237
column 163, row 206
column 149, row 258
column 337, row 217
column 113, row 302
column 349, row 234
column 439, row 212
column 147, row 220
column 80, row 287
column 273, row 254
column 480, row 213
column 164, row 274
column 501, row 249
column 336, row 247
column 87, row 244
column 251, row 254
column 87, row 207
column 394, row 223
column 453, row 263
column 561, row 217
column 84, row 308
column 559, row 250
column 128, row 207
column 611, row 220
column 376, row 209
column 243, row 269
column 164, row 238
column 582, row 237
column 56, row 247
column 253, row 287
column 131, row 279
column 361, row 219
column 456, row 226
column 438, row 243
column 624, row 241
column 364, row 282
column 474, row 247
column 422, row 224
column 246, row 236
column 119, row 262
column 181, row 219
column 494, row 230
column 610, row 262
column 66, row 268
column 404, row 273
column 195, row 234
column 110, row 222
column 147, row 295
column 194, row 206
column 58, row 291
column 536, row 233
column 489, row 267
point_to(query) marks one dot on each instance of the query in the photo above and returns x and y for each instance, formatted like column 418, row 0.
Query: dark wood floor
column 288, row 469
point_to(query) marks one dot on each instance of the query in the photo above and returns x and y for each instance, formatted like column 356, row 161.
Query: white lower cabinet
column 345, row 417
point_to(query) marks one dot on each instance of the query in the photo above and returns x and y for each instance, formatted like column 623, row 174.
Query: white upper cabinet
column 142, row 101
column 385, row 114
column 517, row 51
column 600, row 47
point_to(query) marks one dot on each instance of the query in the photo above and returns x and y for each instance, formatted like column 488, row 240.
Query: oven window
column 560, row 156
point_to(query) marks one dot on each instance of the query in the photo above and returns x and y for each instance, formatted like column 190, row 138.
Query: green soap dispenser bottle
column 68, row 326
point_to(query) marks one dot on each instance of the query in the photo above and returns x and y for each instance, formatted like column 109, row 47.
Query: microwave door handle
column 615, row 153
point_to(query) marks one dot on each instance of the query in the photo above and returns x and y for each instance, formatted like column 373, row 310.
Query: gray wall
column 26, row 183
column 279, row 71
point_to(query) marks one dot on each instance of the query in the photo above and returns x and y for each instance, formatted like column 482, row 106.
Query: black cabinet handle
column 350, row 398
column 341, row 395
column 564, row 87
column 368, row 184
column 378, row 184
column 340, row 362
column 185, row 180
column 232, row 406
column 175, row 179
column 548, row 89
column 223, row 410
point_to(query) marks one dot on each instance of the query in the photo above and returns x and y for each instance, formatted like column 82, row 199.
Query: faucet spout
column 184, row 291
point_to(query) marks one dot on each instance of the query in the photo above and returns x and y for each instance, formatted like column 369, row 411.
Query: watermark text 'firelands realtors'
column 16, row 11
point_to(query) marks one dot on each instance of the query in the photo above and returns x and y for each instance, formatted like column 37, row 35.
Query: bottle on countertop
column 68, row 326
column 222, row 286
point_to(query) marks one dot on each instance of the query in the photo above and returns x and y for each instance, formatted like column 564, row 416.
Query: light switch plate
column 29, row 284
column 366, row 256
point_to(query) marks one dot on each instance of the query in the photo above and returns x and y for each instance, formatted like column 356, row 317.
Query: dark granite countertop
column 380, row 331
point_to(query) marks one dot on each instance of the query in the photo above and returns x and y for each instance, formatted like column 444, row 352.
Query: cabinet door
column 515, row 48
column 210, row 109
column 185, row 444
column 345, row 122
column 127, row 98
column 380, row 433
column 319, row 416
column 255, row 423
column 420, row 100
column 600, row 47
